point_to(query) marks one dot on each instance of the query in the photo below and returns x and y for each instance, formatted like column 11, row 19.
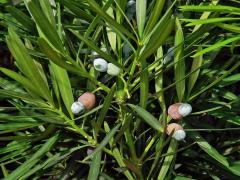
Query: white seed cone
column 89, row 151
column 113, row 70
column 100, row 65
column 77, row 107
column 171, row 51
column 94, row 53
column 185, row 109
column 131, row 2
column 167, row 59
column 169, row 56
column 179, row 135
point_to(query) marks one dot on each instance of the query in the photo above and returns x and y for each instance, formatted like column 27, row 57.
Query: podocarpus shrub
column 104, row 89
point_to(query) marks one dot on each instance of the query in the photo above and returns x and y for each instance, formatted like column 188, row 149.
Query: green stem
column 130, row 143
column 78, row 129
column 159, row 152
column 148, row 147
column 128, row 136
column 133, row 67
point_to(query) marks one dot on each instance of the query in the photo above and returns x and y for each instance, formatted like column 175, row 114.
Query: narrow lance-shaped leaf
column 21, row 79
column 159, row 79
column 217, row 45
column 59, row 73
column 106, row 106
column 158, row 27
column 197, row 62
column 144, row 85
column 141, row 6
column 95, row 166
column 211, row 8
column 57, row 58
column 168, row 160
column 64, row 85
column 95, row 48
column 47, row 10
column 112, row 37
column 147, row 117
column 216, row 81
column 46, row 27
column 158, row 37
column 194, row 22
column 29, row 164
column 22, row 18
column 22, row 96
column 109, row 20
column 179, row 67
column 205, row 146
column 78, row 11
column 4, row 171
column 204, row 15
column 229, row 27
column 27, row 65
column 11, row 85
column 157, row 10
column 51, row 161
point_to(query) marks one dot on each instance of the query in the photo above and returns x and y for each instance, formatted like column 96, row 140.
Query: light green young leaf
column 205, row 15
column 13, row 127
column 211, row 8
column 229, row 27
column 4, row 170
column 217, row 45
column 141, row 6
column 114, row 25
column 154, row 16
column 194, row 22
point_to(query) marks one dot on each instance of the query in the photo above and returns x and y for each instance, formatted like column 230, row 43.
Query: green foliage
column 168, row 52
